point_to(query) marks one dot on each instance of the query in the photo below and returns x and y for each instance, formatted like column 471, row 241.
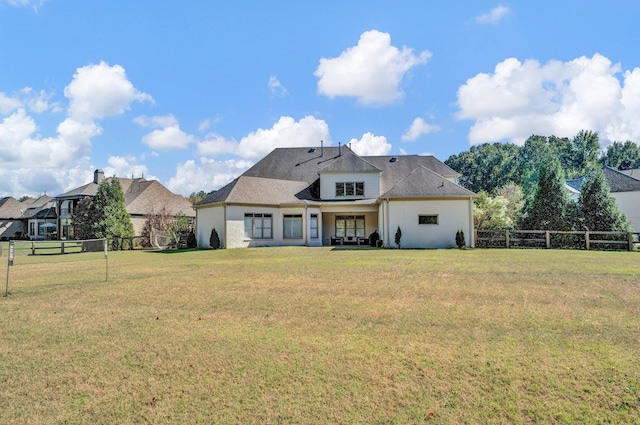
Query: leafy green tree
column 196, row 197
column 80, row 219
column 514, row 195
column 623, row 156
column 552, row 207
column 107, row 214
column 598, row 209
column 586, row 147
column 486, row 166
column 490, row 212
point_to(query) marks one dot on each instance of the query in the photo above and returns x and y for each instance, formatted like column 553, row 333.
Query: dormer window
column 349, row 189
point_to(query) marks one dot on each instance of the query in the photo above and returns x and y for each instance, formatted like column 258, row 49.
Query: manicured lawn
column 315, row 335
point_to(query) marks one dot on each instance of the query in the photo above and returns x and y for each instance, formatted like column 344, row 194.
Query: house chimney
column 321, row 148
column 98, row 176
column 339, row 149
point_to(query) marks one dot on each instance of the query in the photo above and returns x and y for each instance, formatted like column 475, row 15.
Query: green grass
column 315, row 335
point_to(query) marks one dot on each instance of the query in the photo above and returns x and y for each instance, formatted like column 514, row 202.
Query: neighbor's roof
column 141, row 197
column 617, row 181
column 149, row 196
column 635, row 173
column 620, row 182
column 10, row 208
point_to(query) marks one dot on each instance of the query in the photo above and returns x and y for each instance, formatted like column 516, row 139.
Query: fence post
column 630, row 238
column 548, row 238
column 506, row 238
column 33, row 248
column 587, row 242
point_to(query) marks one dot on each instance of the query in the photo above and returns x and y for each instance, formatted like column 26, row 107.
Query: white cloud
column 519, row 99
column 216, row 145
column 98, row 91
column 494, row 16
column 208, row 175
column 126, row 167
column 168, row 138
column 8, row 104
column 284, row 133
column 419, row 128
column 24, row 3
column 372, row 71
column 370, row 145
column 157, row 121
column 33, row 162
column 276, row 88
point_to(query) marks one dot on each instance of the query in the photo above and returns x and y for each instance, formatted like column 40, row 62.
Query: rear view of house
column 331, row 195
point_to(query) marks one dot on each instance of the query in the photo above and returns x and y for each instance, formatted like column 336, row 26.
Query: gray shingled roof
column 635, row 173
column 258, row 190
column 617, row 181
column 349, row 162
column 620, row 182
column 304, row 165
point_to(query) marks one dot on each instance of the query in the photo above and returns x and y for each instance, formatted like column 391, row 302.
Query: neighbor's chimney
column 98, row 176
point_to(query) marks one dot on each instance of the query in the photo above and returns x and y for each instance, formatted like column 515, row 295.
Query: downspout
column 224, row 206
column 386, row 218
column 471, row 229
column 307, row 221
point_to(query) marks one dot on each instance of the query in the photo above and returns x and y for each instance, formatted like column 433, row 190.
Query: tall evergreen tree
column 552, row 207
column 107, row 213
column 598, row 209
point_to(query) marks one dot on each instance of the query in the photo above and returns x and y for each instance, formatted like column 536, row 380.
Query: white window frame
column 351, row 189
column 291, row 225
column 313, row 226
column 258, row 226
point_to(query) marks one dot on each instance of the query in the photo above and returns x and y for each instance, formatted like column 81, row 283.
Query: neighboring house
column 11, row 223
column 40, row 217
column 635, row 173
column 624, row 189
column 323, row 196
column 141, row 197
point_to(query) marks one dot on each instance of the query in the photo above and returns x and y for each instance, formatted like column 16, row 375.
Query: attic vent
column 393, row 159
column 312, row 150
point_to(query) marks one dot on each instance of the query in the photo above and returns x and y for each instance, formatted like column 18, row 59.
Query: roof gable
column 349, row 163
column 421, row 182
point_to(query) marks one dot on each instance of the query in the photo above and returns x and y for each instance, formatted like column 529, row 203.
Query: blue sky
column 193, row 93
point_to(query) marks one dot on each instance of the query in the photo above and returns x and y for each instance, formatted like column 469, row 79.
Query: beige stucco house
column 330, row 195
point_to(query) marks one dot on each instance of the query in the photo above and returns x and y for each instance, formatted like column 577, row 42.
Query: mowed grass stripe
column 315, row 335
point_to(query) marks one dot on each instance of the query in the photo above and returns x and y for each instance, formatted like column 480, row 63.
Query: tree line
column 524, row 186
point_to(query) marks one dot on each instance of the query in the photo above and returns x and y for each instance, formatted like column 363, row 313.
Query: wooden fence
column 499, row 238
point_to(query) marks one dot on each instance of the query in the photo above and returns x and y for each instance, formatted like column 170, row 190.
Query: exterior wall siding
column 328, row 185
column 206, row 219
column 452, row 215
column 629, row 204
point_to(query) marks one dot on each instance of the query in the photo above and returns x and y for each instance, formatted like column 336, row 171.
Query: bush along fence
column 500, row 238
